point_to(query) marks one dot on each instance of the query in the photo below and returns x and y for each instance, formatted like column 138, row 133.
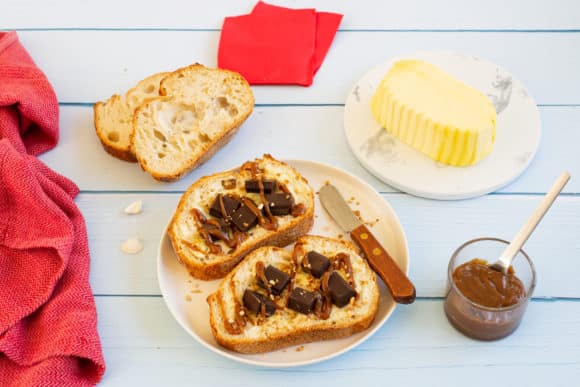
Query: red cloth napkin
column 48, row 320
column 277, row 45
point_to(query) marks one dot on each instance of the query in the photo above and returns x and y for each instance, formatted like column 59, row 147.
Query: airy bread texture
column 287, row 327
column 114, row 117
column 200, row 111
column 189, row 244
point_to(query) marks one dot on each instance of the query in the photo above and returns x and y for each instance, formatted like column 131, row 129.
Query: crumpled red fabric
column 48, row 319
column 277, row 45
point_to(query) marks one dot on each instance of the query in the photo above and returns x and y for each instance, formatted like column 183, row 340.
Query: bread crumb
column 132, row 246
column 134, row 208
column 300, row 348
column 188, row 298
column 196, row 291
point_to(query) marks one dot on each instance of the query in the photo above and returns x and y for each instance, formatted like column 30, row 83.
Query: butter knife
column 397, row 282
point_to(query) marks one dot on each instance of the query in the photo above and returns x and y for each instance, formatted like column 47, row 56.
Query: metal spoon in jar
column 505, row 259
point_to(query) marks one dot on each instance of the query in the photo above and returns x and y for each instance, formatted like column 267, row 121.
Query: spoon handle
column 522, row 236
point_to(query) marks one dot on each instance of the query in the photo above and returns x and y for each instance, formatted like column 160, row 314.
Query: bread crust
column 283, row 340
column 283, row 236
column 117, row 151
column 297, row 335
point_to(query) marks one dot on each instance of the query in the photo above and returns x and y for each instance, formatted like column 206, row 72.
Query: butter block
column 435, row 113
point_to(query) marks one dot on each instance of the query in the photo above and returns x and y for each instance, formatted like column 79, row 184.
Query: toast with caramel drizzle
column 223, row 217
column 277, row 298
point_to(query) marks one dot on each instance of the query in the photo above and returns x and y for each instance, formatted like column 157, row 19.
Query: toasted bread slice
column 114, row 118
column 201, row 111
column 241, row 330
column 187, row 237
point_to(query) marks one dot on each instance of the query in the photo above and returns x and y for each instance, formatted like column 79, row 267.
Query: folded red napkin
column 48, row 320
column 277, row 45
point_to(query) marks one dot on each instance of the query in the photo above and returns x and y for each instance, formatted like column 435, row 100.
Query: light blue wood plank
column 434, row 230
column 86, row 66
column 311, row 133
column 362, row 14
column 143, row 345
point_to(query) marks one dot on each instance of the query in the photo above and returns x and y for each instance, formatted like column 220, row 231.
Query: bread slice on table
column 210, row 259
column 237, row 327
column 200, row 111
column 114, row 117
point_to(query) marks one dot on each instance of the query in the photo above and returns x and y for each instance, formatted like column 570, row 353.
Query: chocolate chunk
column 253, row 302
column 244, row 218
column 280, row 203
column 301, row 300
column 269, row 186
column 277, row 280
column 315, row 264
column 230, row 205
column 340, row 291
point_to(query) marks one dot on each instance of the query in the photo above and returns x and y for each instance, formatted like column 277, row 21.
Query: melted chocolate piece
column 340, row 291
column 244, row 218
column 269, row 186
column 230, row 205
column 253, row 302
column 277, row 280
column 302, row 301
column 315, row 264
column 279, row 203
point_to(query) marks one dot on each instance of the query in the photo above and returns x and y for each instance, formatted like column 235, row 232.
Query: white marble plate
column 517, row 133
column 190, row 308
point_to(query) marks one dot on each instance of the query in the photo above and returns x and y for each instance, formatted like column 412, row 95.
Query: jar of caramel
column 483, row 303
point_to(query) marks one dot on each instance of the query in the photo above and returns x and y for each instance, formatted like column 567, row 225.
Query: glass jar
column 478, row 321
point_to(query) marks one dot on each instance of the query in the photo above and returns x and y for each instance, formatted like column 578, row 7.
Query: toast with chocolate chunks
column 248, row 317
column 223, row 217
column 199, row 111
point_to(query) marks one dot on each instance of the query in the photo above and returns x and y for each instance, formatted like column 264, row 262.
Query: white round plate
column 397, row 164
column 190, row 308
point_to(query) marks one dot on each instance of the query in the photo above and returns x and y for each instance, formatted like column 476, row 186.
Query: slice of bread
column 200, row 112
column 187, row 237
column 114, row 117
column 241, row 330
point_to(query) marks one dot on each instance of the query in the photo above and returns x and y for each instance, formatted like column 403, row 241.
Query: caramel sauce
column 214, row 248
column 261, row 274
column 273, row 223
column 298, row 210
column 200, row 220
column 486, row 286
column 323, row 305
column 342, row 259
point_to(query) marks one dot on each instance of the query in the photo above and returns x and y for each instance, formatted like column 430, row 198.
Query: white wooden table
column 90, row 50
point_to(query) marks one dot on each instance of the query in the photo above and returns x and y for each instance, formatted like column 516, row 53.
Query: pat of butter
column 435, row 113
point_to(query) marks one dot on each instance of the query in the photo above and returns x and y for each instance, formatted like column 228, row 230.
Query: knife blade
column 399, row 285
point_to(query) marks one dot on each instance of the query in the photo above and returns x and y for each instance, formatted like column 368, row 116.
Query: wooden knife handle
column 399, row 285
